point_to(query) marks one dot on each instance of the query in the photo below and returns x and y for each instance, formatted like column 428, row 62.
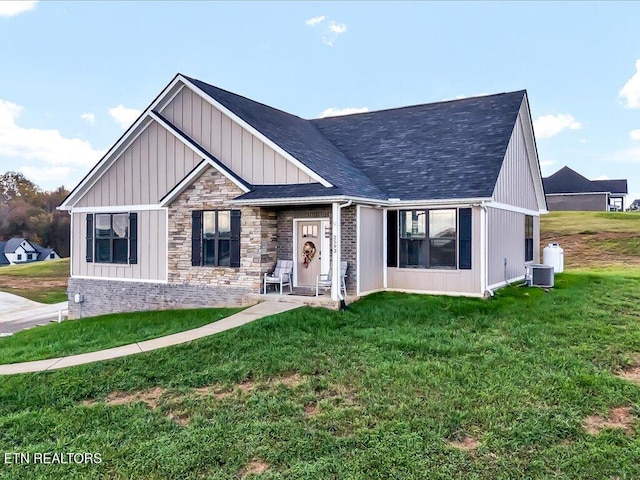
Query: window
column 19, row 256
column 528, row 238
column 215, row 239
column 29, row 256
column 428, row 238
column 52, row 255
column 112, row 238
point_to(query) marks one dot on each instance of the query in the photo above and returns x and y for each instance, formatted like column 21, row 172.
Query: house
column 21, row 250
column 201, row 195
column 568, row 190
column 635, row 205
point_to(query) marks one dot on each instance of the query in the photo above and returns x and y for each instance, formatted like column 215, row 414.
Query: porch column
column 335, row 251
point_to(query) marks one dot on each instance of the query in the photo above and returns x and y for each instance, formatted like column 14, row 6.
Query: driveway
column 17, row 313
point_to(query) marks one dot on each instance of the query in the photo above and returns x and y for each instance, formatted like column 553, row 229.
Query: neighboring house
column 21, row 250
column 635, row 205
column 568, row 190
column 197, row 200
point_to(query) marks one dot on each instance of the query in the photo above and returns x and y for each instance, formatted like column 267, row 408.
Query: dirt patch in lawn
column 618, row 418
column 150, row 397
column 631, row 373
column 467, row 443
column 219, row 392
column 311, row 409
column 595, row 249
column 253, row 468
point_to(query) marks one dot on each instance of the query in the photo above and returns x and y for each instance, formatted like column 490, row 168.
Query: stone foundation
column 109, row 296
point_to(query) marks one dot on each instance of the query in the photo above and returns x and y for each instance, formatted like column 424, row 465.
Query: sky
column 75, row 75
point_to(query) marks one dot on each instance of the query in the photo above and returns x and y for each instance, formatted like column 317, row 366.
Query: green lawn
column 380, row 391
column 44, row 282
column 566, row 223
column 106, row 331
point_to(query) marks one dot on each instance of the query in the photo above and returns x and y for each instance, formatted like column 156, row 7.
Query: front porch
column 300, row 295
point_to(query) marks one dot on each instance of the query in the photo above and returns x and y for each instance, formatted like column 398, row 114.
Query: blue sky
column 74, row 75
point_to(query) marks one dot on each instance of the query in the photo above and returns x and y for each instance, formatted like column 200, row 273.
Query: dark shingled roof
column 567, row 180
column 444, row 150
column 612, row 186
column 3, row 259
column 11, row 244
column 298, row 137
column 300, row 190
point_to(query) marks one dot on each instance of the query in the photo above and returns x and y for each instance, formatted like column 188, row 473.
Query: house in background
column 635, row 205
column 21, row 250
column 568, row 190
column 207, row 189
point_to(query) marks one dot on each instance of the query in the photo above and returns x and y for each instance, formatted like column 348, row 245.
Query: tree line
column 30, row 212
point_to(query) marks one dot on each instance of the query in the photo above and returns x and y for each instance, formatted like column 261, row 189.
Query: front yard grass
column 399, row 386
column 106, row 331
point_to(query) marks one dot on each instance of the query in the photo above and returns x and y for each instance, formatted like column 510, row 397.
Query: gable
column 144, row 172
column 519, row 183
column 228, row 141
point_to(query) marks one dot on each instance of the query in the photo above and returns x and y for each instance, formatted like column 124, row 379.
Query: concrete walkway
column 246, row 316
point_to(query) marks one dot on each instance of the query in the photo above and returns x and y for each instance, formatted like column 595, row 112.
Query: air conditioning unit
column 538, row 275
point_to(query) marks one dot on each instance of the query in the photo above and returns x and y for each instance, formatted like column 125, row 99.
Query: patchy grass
column 44, row 282
column 106, row 331
column 594, row 239
column 399, row 386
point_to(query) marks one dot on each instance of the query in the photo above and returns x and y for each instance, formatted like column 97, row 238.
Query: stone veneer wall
column 257, row 240
column 348, row 223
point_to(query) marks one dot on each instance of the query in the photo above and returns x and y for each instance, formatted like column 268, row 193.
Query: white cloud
column 631, row 155
column 123, row 115
column 47, row 175
column 603, row 177
column 11, row 8
column 630, row 93
column 635, row 134
column 548, row 126
column 337, row 28
column 547, row 163
column 312, row 22
column 47, row 146
column 89, row 117
column 335, row 112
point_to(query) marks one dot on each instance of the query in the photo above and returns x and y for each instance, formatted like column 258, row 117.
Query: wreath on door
column 308, row 252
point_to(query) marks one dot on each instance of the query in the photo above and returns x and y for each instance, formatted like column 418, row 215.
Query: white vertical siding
column 146, row 171
column 370, row 249
column 515, row 182
column 457, row 282
column 152, row 250
column 237, row 148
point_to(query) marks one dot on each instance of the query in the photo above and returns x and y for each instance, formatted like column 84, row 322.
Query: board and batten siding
column 445, row 281
column 146, row 171
column 506, row 240
column 593, row 202
column 370, row 248
column 234, row 146
column 152, row 250
column 515, row 181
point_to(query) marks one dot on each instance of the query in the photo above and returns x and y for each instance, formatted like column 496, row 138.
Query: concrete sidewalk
column 246, row 316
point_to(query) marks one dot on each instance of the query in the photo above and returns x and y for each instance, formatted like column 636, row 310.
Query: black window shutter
column 464, row 234
column 392, row 238
column 196, row 238
column 133, row 238
column 234, row 246
column 89, row 237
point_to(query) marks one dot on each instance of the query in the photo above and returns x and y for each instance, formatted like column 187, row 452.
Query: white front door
column 309, row 251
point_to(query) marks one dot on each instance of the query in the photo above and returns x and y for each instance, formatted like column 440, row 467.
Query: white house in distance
column 20, row 250
column 207, row 189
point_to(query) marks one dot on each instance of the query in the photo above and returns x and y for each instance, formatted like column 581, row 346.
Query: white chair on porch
column 324, row 280
column 281, row 275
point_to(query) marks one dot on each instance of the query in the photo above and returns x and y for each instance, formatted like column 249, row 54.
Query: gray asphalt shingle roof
column 567, row 180
column 443, row 150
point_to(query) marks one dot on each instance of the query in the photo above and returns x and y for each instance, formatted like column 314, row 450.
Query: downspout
column 484, row 251
column 337, row 254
